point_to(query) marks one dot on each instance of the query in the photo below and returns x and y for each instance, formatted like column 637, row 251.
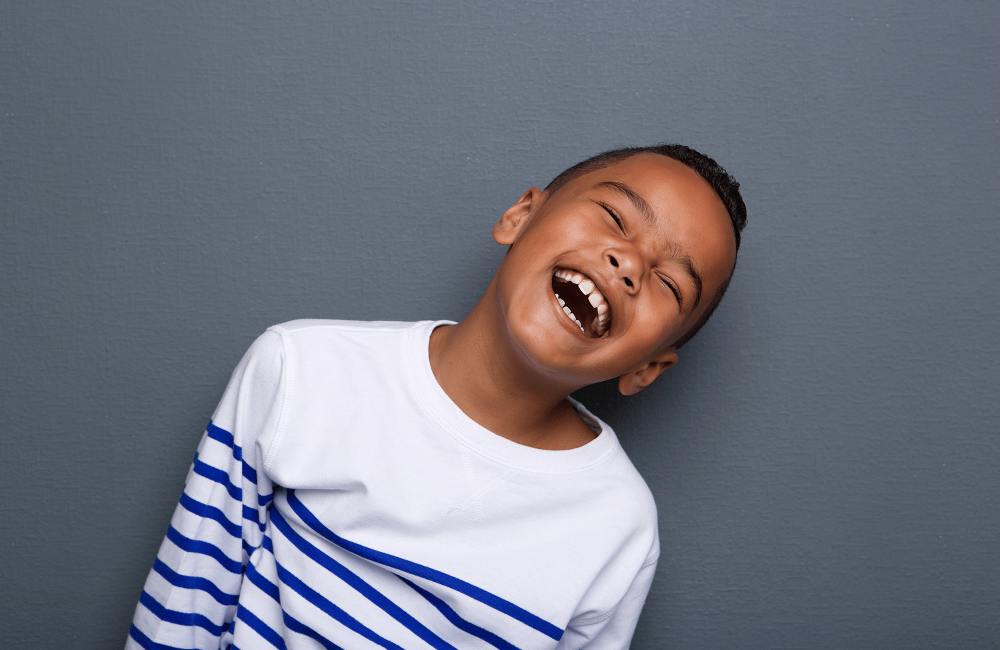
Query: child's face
column 650, row 242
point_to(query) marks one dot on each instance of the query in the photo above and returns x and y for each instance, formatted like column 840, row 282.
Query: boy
column 397, row 485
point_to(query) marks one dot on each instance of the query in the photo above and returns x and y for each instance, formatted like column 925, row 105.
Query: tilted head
column 724, row 185
column 612, row 267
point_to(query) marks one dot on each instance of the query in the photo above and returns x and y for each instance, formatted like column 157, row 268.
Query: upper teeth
column 594, row 297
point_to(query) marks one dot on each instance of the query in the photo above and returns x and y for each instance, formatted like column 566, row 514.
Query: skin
column 511, row 363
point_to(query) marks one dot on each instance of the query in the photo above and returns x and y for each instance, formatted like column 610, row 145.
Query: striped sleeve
column 190, row 596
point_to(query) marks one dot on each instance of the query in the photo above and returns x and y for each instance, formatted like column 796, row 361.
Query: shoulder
column 334, row 343
column 626, row 506
column 332, row 356
column 318, row 330
column 610, row 490
column 634, row 501
column 616, row 476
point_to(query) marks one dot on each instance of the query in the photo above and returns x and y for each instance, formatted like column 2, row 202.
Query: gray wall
column 175, row 177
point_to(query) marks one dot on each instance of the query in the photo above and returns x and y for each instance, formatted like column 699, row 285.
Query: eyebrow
column 640, row 204
column 637, row 201
column 694, row 278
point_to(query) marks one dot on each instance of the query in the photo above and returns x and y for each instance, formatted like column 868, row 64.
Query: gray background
column 175, row 177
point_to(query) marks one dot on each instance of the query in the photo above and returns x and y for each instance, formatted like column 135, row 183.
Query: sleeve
column 191, row 594
column 613, row 630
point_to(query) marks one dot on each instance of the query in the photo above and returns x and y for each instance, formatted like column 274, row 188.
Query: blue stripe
column 291, row 623
column 424, row 572
column 211, row 512
column 458, row 621
column 148, row 643
column 296, row 626
column 226, row 438
column 261, row 628
column 253, row 516
column 249, row 473
column 332, row 610
column 204, row 548
column 179, row 618
column 191, row 582
column 221, row 435
column 256, row 578
column 217, row 475
column 362, row 587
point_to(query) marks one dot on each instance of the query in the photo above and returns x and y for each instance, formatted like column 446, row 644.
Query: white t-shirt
column 340, row 499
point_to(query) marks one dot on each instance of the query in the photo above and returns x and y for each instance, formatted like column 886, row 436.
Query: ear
column 632, row 382
column 507, row 229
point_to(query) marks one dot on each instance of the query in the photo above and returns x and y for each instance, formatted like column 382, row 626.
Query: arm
column 613, row 630
column 190, row 597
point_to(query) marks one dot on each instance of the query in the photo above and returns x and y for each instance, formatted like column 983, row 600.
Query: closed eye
column 614, row 215
column 673, row 289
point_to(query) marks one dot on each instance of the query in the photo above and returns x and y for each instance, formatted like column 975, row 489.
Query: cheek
column 662, row 324
column 569, row 230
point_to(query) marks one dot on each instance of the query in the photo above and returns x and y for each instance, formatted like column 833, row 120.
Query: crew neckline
column 485, row 442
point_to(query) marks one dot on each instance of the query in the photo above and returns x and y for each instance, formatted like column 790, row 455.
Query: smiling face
column 606, row 274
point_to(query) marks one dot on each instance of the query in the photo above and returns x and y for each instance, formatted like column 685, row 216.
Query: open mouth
column 582, row 302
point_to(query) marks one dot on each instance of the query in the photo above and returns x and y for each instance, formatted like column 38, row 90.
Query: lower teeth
column 600, row 323
column 569, row 312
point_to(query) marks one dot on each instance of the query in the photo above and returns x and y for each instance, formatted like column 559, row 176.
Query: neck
column 487, row 376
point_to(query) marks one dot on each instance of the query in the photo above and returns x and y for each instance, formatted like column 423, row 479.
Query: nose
column 626, row 267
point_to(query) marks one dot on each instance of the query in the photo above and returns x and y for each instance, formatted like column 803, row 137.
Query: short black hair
column 724, row 185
